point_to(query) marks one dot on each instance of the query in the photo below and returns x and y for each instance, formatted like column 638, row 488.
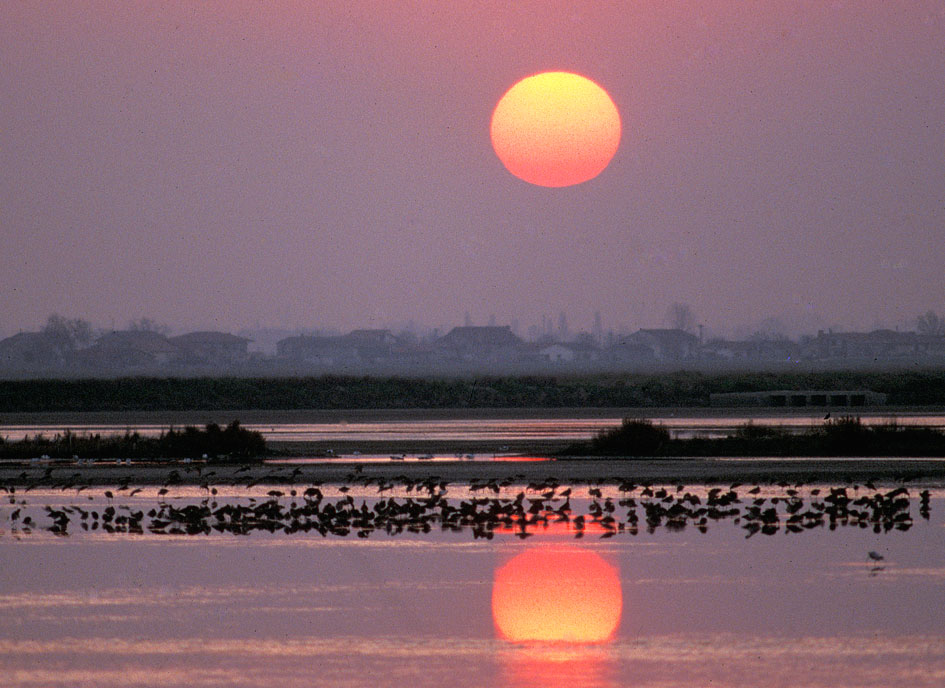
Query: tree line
column 688, row 388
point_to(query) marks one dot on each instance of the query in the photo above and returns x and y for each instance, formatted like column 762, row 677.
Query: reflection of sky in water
column 784, row 610
column 498, row 430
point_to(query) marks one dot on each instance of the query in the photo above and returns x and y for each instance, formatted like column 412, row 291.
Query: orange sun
column 555, row 129
column 557, row 594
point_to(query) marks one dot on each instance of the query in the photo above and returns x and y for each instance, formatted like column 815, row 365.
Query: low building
column 372, row 346
column 664, row 345
column 315, row 350
column 211, row 348
column 357, row 348
column 799, row 398
column 569, row 352
column 557, row 353
column 719, row 350
column 34, row 351
column 129, row 350
column 878, row 345
column 480, row 344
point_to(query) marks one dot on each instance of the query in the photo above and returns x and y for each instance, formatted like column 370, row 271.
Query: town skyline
column 72, row 348
column 557, row 323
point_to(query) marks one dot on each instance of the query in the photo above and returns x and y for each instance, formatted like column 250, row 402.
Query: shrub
column 634, row 437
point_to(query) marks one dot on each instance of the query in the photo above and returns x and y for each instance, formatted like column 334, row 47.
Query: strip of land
column 689, row 471
column 678, row 389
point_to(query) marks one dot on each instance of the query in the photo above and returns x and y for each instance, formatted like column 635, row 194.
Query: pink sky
column 305, row 164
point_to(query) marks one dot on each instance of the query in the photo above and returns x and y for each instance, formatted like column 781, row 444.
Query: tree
column 930, row 323
column 68, row 334
column 680, row 317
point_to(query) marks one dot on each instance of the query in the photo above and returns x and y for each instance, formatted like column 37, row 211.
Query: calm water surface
column 497, row 430
column 671, row 607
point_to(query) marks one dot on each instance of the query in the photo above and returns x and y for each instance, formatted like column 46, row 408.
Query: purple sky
column 221, row 164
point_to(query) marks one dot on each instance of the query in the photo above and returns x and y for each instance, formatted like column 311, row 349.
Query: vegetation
column 846, row 436
column 232, row 444
column 909, row 388
column 633, row 437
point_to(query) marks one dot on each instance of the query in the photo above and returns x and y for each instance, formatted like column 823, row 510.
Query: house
column 358, row 347
column 557, row 353
column 749, row 350
column 875, row 345
column 33, row 351
column 480, row 344
column 315, row 350
column 580, row 351
column 371, row 346
column 211, row 348
column 663, row 345
column 123, row 349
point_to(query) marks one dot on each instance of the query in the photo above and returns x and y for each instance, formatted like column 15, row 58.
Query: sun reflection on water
column 557, row 606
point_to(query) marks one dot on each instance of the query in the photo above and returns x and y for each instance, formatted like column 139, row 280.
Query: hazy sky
column 316, row 164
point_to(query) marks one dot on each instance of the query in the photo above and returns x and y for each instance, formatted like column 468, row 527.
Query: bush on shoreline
column 232, row 444
column 845, row 436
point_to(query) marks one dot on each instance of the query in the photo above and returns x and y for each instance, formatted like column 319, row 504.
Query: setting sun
column 557, row 594
column 555, row 129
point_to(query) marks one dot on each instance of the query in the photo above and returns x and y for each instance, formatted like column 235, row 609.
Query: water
column 672, row 606
column 498, row 430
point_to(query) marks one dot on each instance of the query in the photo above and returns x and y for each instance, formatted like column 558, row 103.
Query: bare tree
column 69, row 334
column 930, row 323
column 679, row 316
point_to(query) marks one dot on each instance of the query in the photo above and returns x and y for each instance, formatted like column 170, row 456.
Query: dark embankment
column 846, row 436
column 692, row 389
column 232, row 444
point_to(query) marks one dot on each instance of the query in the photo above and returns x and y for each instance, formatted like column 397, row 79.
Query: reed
column 232, row 443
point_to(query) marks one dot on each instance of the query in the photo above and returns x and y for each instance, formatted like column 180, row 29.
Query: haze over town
column 231, row 166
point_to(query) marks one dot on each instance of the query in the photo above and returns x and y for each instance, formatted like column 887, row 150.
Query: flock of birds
column 606, row 507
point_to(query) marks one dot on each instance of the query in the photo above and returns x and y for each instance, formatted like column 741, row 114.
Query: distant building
column 718, row 350
column 664, row 345
column 557, row 353
column 312, row 350
column 484, row 344
column 263, row 340
column 800, row 398
column 630, row 353
column 372, row 346
column 32, row 351
column 211, row 348
column 875, row 345
column 358, row 347
column 129, row 349
column 581, row 351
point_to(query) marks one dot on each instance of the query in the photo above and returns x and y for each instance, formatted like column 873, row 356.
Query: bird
column 875, row 556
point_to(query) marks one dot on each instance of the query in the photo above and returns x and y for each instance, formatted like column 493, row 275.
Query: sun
column 557, row 594
column 555, row 129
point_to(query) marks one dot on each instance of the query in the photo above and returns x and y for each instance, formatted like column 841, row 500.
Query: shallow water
column 489, row 430
column 714, row 608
